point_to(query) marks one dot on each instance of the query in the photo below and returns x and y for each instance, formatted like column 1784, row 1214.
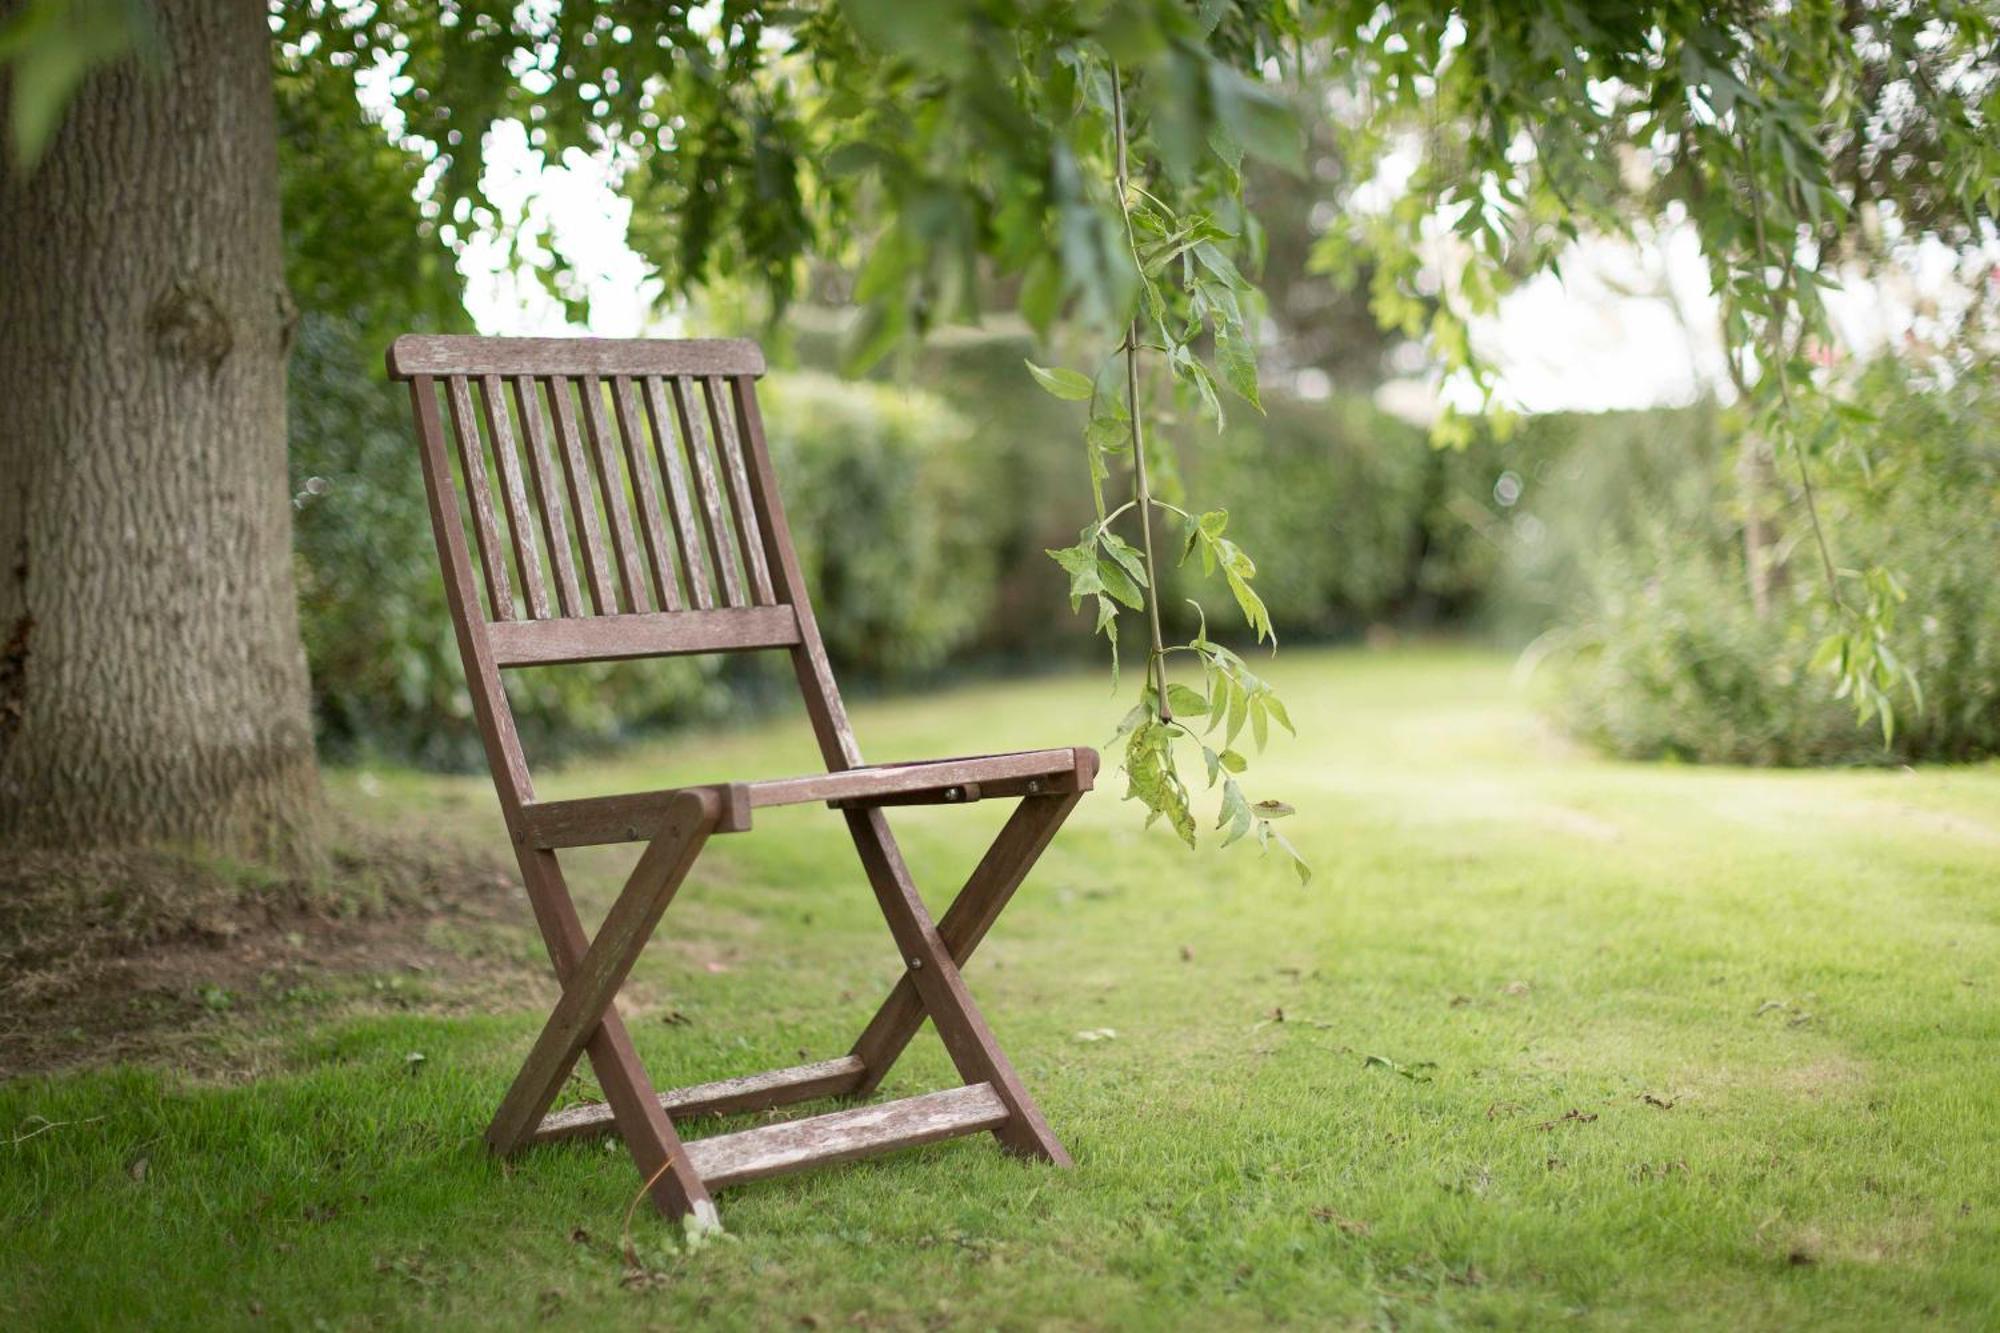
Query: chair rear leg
column 987, row 891
column 959, row 1023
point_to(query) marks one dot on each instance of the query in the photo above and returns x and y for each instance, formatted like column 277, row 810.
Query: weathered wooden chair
column 698, row 560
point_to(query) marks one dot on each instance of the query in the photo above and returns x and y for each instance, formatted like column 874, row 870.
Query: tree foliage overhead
column 1084, row 162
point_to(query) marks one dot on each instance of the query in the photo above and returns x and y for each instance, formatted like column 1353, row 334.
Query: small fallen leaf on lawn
column 138, row 1168
column 1097, row 1034
column 1571, row 1115
column 1351, row 1225
column 714, row 966
column 1413, row 1072
column 1187, row 953
column 1661, row 1102
column 1515, row 988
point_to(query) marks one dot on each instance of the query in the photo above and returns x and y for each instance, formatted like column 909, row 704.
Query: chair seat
column 635, row 816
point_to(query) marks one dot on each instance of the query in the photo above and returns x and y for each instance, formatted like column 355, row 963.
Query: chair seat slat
column 472, row 458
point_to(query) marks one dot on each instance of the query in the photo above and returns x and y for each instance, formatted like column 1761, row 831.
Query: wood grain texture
column 752, row 1092
column 842, row 1136
column 687, row 533
column 458, row 354
column 824, row 708
column 582, row 496
column 472, row 459
column 960, row 1026
column 588, row 990
column 987, row 891
column 648, row 634
column 596, row 821
column 612, row 490
column 729, row 447
column 636, row 816
column 520, row 528
column 720, row 543
column 649, row 1136
column 548, row 495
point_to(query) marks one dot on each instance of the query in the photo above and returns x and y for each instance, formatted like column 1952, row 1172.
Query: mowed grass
column 1548, row 1041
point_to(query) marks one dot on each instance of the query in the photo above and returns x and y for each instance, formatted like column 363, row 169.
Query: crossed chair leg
column 585, row 1020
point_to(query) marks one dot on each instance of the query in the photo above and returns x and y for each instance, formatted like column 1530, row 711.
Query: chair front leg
column 590, row 987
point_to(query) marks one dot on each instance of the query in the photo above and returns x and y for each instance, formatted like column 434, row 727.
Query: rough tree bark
column 152, row 679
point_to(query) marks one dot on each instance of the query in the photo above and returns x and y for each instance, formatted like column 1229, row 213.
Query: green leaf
column 1084, row 578
column 1113, row 579
column 1234, row 762
column 1127, row 555
column 1235, row 815
column 1299, row 865
column 1238, row 363
column 1061, row 381
column 1186, row 702
column 1257, row 117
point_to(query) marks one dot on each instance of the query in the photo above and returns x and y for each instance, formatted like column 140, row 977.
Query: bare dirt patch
column 121, row 955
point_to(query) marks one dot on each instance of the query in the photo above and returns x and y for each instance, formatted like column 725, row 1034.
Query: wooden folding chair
column 642, row 519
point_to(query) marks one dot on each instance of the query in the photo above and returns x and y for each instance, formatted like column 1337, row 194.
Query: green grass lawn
column 1549, row 1040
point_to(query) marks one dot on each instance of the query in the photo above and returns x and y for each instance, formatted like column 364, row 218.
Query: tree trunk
column 152, row 679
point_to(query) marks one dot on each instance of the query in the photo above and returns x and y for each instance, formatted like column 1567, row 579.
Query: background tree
column 939, row 151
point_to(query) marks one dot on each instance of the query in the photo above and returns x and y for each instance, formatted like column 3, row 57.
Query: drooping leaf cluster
column 1802, row 144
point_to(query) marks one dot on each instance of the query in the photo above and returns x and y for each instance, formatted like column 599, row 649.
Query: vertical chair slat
column 815, row 674
column 611, row 482
column 711, row 503
column 493, row 404
column 472, row 458
column 548, row 496
column 731, row 452
column 647, row 487
column 685, row 523
column 582, row 501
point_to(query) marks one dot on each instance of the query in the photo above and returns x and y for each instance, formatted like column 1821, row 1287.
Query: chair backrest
column 620, row 497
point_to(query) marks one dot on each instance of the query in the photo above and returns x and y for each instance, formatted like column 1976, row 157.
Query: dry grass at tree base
column 110, row 956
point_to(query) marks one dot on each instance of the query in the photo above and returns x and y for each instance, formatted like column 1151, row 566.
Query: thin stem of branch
column 1780, row 302
column 1156, row 659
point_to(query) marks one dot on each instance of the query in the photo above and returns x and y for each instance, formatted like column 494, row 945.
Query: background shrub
column 1660, row 655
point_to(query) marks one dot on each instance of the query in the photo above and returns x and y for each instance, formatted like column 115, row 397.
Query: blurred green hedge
column 922, row 515
column 1656, row 652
